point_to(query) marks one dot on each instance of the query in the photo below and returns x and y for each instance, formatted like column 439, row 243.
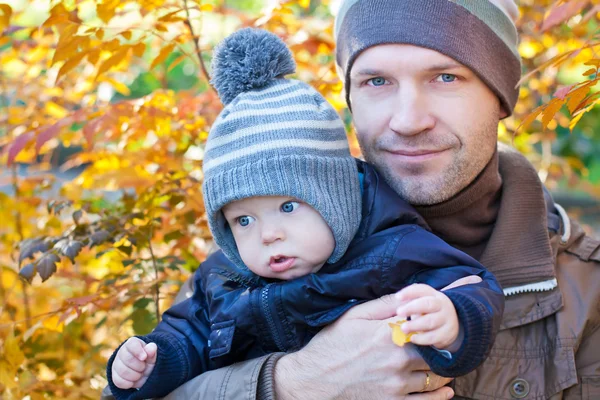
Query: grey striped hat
column 275, row 137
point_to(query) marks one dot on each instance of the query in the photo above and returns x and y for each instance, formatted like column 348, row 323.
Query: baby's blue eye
column 448, row 78
column 245, row 220
column 289, row 206
column 379, row 81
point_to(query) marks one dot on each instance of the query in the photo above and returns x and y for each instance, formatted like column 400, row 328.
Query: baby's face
column 279, row 237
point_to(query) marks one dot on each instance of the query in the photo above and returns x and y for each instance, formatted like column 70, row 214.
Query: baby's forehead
column 255, row 202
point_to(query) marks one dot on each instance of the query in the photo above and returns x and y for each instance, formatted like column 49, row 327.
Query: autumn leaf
column 562, row 92
column 562, row 13
column 12, row 351
column 576, row 97
column 30, row 247
column 69, row 248
column 398, row 336
column 70, row 64
column 5, row 14
column 46, row 266
column 98, row 237
column 550, row 111
column 28, row 272
column 17, row 145
column 162, row 56
column 106, row 9
column 113, row 61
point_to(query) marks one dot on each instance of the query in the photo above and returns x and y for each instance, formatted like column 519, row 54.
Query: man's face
column 426, row 122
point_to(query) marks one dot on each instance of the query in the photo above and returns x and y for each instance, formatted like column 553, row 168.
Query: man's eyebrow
column 444, row 66
column 367, row 71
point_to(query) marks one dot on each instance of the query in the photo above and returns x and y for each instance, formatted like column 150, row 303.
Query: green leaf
column 143, row 321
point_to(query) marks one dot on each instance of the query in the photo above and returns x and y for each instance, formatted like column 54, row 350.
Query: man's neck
column 466, row 221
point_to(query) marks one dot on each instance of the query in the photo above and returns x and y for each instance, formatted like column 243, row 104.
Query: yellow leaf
column 304, row 3
column 206, row 7
column 162, row 56
column 70, row 64
column 12, row 351
column 119, row 86
column 398, row 336
column 94, row 56
column 550, row 111
column 7, row 375
column 126, row 35
column 161, row 28
column 113, row 61
column 595, row 62
column 100, row 33
column 55, row 110
column 53, row 324
column 531, row 117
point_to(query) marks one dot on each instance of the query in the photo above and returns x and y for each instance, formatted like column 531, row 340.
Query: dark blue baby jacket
column 236, row 315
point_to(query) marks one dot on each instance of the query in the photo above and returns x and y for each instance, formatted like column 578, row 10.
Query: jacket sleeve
column 181, row 338
column 479, row 306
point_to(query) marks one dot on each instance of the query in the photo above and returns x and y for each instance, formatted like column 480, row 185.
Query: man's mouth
column 416, row 154
column 281, row 263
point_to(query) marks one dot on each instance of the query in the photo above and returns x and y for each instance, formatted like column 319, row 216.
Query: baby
column 306, row 232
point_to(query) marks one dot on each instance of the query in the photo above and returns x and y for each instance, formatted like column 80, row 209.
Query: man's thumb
column 378, row 309
column 151, row 350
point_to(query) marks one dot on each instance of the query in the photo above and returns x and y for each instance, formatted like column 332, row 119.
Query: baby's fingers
column 123, row 375
column 423, row 324
column 422, row 305
column 135, row 347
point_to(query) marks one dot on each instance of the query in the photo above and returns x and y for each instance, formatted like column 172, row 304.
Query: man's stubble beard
column 436, row 189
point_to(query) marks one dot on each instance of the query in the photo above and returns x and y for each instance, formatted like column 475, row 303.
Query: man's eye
column 289, row 206
column 447, row 78
column 379, row 81
column 245, row 220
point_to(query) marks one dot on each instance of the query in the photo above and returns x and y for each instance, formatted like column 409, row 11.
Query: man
column 427, row 82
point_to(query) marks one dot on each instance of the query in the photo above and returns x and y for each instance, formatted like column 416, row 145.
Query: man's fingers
column 425, row 338
column 467, row 280
column 417, row 382
column 378, row 309
column 422, row 305
column 135, row 347
column 442, row 393
column 415, row 291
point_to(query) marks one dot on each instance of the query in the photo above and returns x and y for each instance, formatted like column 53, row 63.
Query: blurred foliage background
column 104, row 110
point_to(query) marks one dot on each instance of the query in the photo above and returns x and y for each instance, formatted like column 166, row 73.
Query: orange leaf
column 177, row 61
column 589, row 72
column 5, row 14
column 162, row 56
column 114, row 60
column 70, row 64
column 576, row 97
column 531, row 117
column 139, row 49
column 126, row 35
column 550, row 111
column 563, row 12
column 100, row 33
column 106, row 10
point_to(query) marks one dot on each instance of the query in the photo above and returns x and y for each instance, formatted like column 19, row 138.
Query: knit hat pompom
column 249, row 59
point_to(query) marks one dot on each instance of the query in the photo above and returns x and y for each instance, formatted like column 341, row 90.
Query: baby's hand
column 133, row 364
column 433, row 317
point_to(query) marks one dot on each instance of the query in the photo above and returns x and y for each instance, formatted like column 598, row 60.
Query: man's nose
column 272, row 232
column 411, row 112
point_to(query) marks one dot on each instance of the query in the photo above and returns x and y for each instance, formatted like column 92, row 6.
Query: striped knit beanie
column 479, row 34
column 275, row 137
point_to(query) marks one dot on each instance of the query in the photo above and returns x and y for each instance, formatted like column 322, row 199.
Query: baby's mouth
column 281, row 263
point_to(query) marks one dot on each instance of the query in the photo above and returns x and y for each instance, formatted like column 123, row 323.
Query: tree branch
column 188, row 22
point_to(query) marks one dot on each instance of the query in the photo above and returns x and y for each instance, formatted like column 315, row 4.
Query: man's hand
column 355, row 358
column 133, row 364
column 433, row 317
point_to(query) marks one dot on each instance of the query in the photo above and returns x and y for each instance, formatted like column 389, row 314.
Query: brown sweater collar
column 501, row 220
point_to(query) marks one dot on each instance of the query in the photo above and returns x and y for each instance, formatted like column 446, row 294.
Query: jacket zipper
column 544, row 286
column 264, row 296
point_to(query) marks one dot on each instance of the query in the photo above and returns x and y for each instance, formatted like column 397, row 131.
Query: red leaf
column 47, row 135
column 563, row 92
column 19, row 144
column 563, row 12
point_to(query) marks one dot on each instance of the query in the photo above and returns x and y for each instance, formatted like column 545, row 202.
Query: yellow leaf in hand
column 398, row 336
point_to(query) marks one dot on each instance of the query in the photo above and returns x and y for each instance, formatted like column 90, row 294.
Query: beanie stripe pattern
column 476, row 33
column 275, row 137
